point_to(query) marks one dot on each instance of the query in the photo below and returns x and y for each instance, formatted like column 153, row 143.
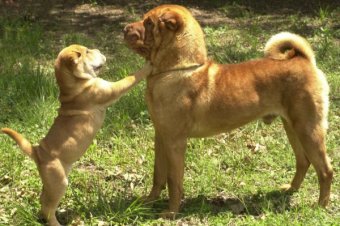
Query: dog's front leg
column 174, row 150
column 160, row 170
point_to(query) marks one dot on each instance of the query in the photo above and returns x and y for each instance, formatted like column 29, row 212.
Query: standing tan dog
column 84, row 99
column 190, row 96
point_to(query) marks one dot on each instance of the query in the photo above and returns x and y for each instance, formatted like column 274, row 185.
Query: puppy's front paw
column 144, row 72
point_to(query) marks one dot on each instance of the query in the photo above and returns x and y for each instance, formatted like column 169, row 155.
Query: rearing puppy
column 190, row 96
column 84, row 99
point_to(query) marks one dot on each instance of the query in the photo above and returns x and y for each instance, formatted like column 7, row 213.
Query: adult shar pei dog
column 190, row 96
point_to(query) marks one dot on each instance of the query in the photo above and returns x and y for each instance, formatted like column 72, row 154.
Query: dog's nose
column 134, row 31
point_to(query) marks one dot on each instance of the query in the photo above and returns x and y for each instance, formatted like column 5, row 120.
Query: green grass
column 226, row 182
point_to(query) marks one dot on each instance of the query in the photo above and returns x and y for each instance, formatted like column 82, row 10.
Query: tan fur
column 83, row 99
column 190, row 96
column 286, row 45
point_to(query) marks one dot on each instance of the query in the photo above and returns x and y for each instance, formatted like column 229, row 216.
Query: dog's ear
column 172, row 20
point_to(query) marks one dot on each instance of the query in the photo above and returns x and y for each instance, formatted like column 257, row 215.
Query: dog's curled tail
column 23, row 143
column 285, row 45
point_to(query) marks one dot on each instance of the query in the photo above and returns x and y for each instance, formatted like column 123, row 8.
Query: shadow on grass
column 118, row 210
column 127, row 210
column 254, row 205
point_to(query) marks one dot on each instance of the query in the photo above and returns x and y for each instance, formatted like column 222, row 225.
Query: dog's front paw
column 323, row 202
column 167, row 214
column 153, row 196
column 148, row 199
column 287, row 188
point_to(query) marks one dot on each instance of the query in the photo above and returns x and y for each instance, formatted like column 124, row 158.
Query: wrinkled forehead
column 75, row 48
column 160, row 10
column 72, row 52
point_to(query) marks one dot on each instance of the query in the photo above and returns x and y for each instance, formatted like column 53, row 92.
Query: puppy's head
column 76, row 62
column 168, row 36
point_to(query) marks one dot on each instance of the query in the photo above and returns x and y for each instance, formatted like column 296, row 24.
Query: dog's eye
column 148, row 22
column 87, row 51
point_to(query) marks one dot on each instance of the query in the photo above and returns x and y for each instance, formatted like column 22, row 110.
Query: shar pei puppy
column 84, row 98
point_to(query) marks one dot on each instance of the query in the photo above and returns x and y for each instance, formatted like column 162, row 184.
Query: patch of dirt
column 71, row 16
column 93, row 16
column 210, row 17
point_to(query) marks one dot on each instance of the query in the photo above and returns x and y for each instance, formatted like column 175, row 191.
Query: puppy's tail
column 23, row 143
column 286, row 45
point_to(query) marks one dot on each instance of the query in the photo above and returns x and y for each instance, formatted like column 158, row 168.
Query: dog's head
column 77, row 62
column 168, row 36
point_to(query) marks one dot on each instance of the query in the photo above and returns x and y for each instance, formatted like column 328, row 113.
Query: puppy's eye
column 87, row 51
column 78, row 53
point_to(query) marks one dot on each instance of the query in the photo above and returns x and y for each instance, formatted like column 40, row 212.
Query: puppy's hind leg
column 302, row 163
column 54, row 180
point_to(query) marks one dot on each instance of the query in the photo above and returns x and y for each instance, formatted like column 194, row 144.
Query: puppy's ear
column 76, row 57
column 70, row 59
column 172, row 20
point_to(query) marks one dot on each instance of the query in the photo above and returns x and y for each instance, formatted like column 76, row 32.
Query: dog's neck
column 176, row 69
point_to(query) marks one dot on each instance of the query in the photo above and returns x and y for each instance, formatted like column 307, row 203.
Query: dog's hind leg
column 302, row 163
column 312, row 137
column 54, row 180
column 308, row 117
